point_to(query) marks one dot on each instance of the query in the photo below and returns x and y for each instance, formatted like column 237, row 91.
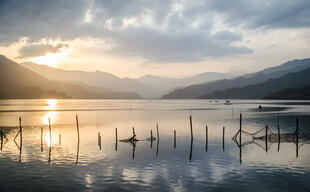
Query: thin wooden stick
column 59, row 139
column 78, row 143
column 157, row 148
column 116, row 140
column 279, row 137
column 1, row 132
column 151, row 139
column 266, row 138
column 41, row 138
column 50, row 147
column 50, row 130
column 240, row 142
column 157, row 131
column 77, row 127
column 175, row 138
column 223, row 138
column 191, row 125
column 297, row 127
column 206, row 138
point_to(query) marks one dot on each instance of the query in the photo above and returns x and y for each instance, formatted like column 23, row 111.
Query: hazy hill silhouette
column 96, row 79
column 199, row 90
column 19, row 82
column 265, row 90
column 148, row 86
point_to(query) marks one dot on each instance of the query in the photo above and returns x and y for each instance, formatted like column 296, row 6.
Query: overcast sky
column 161, row 37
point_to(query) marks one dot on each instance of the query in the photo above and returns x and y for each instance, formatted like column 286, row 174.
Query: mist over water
column 63, row 163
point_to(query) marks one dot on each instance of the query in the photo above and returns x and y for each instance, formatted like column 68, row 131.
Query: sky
column 171, row 38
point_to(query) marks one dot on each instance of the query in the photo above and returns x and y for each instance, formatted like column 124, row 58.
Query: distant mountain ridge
column 17, row 82
column 264, row 90
column 167, row 84
column 148, row 86
column 199, row 90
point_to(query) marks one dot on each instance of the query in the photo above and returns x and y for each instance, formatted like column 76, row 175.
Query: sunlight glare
column 47, row 139
column 50, row 59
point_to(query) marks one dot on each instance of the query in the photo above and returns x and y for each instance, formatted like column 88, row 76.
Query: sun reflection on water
column 47, row 139
column 52, row 115
column 52, row 104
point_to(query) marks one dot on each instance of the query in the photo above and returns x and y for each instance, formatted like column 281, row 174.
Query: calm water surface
column 63, row 163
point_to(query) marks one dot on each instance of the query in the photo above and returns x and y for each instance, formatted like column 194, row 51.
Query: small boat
column 227, row 103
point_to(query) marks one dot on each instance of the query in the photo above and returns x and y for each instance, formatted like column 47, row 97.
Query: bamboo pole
column 175, row 138
column 151, row 139
column 297, row 127
column 266, row 138
column 99, row 141
column 223, row 138
column 240, row 141
column 157, row 131
column 157, row 148
column 206, row 138
column 50, row 130
column 1, row 132
column 279, row 137
column 77, row 127
column 116, row 140
column 50, row 146
column 191, row 151
column 78, row 142
column 41, row 138
column 20, row 133
column 191, row 125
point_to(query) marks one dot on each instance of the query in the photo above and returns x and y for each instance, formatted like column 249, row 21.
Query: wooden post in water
column 133, row 131
column 50, row 145
column 1, row 132
column 59, row 139
column 157, row 148
column 175, row 138
column 41, row 138
column 223, row 138
column 206, row 138
column 151, row 139
column 20, row 134
column 77, row 127
column 78, row 143
column 266, row 138
column 157, row 131
column 99, row 141
column 50, row 131
column 279, row 137
column 191, row 125
column 240, row 141
column 297, row 137
column 116, row 140
column 191, row 151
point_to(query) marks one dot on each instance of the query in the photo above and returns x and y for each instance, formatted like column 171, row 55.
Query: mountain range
column 29, row 80
column 207, row 89
column 148, row 86
column 266, row 89
column 17, row 82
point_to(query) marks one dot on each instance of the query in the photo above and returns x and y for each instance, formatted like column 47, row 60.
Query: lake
column 58, row 160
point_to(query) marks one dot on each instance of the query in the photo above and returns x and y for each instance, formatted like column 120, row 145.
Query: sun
column 50, row 59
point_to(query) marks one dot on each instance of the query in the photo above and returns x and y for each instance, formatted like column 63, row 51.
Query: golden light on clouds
column 50, row 59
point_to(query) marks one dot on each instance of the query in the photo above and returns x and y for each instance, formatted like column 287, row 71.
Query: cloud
column 158, row 31
column 35, row 50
